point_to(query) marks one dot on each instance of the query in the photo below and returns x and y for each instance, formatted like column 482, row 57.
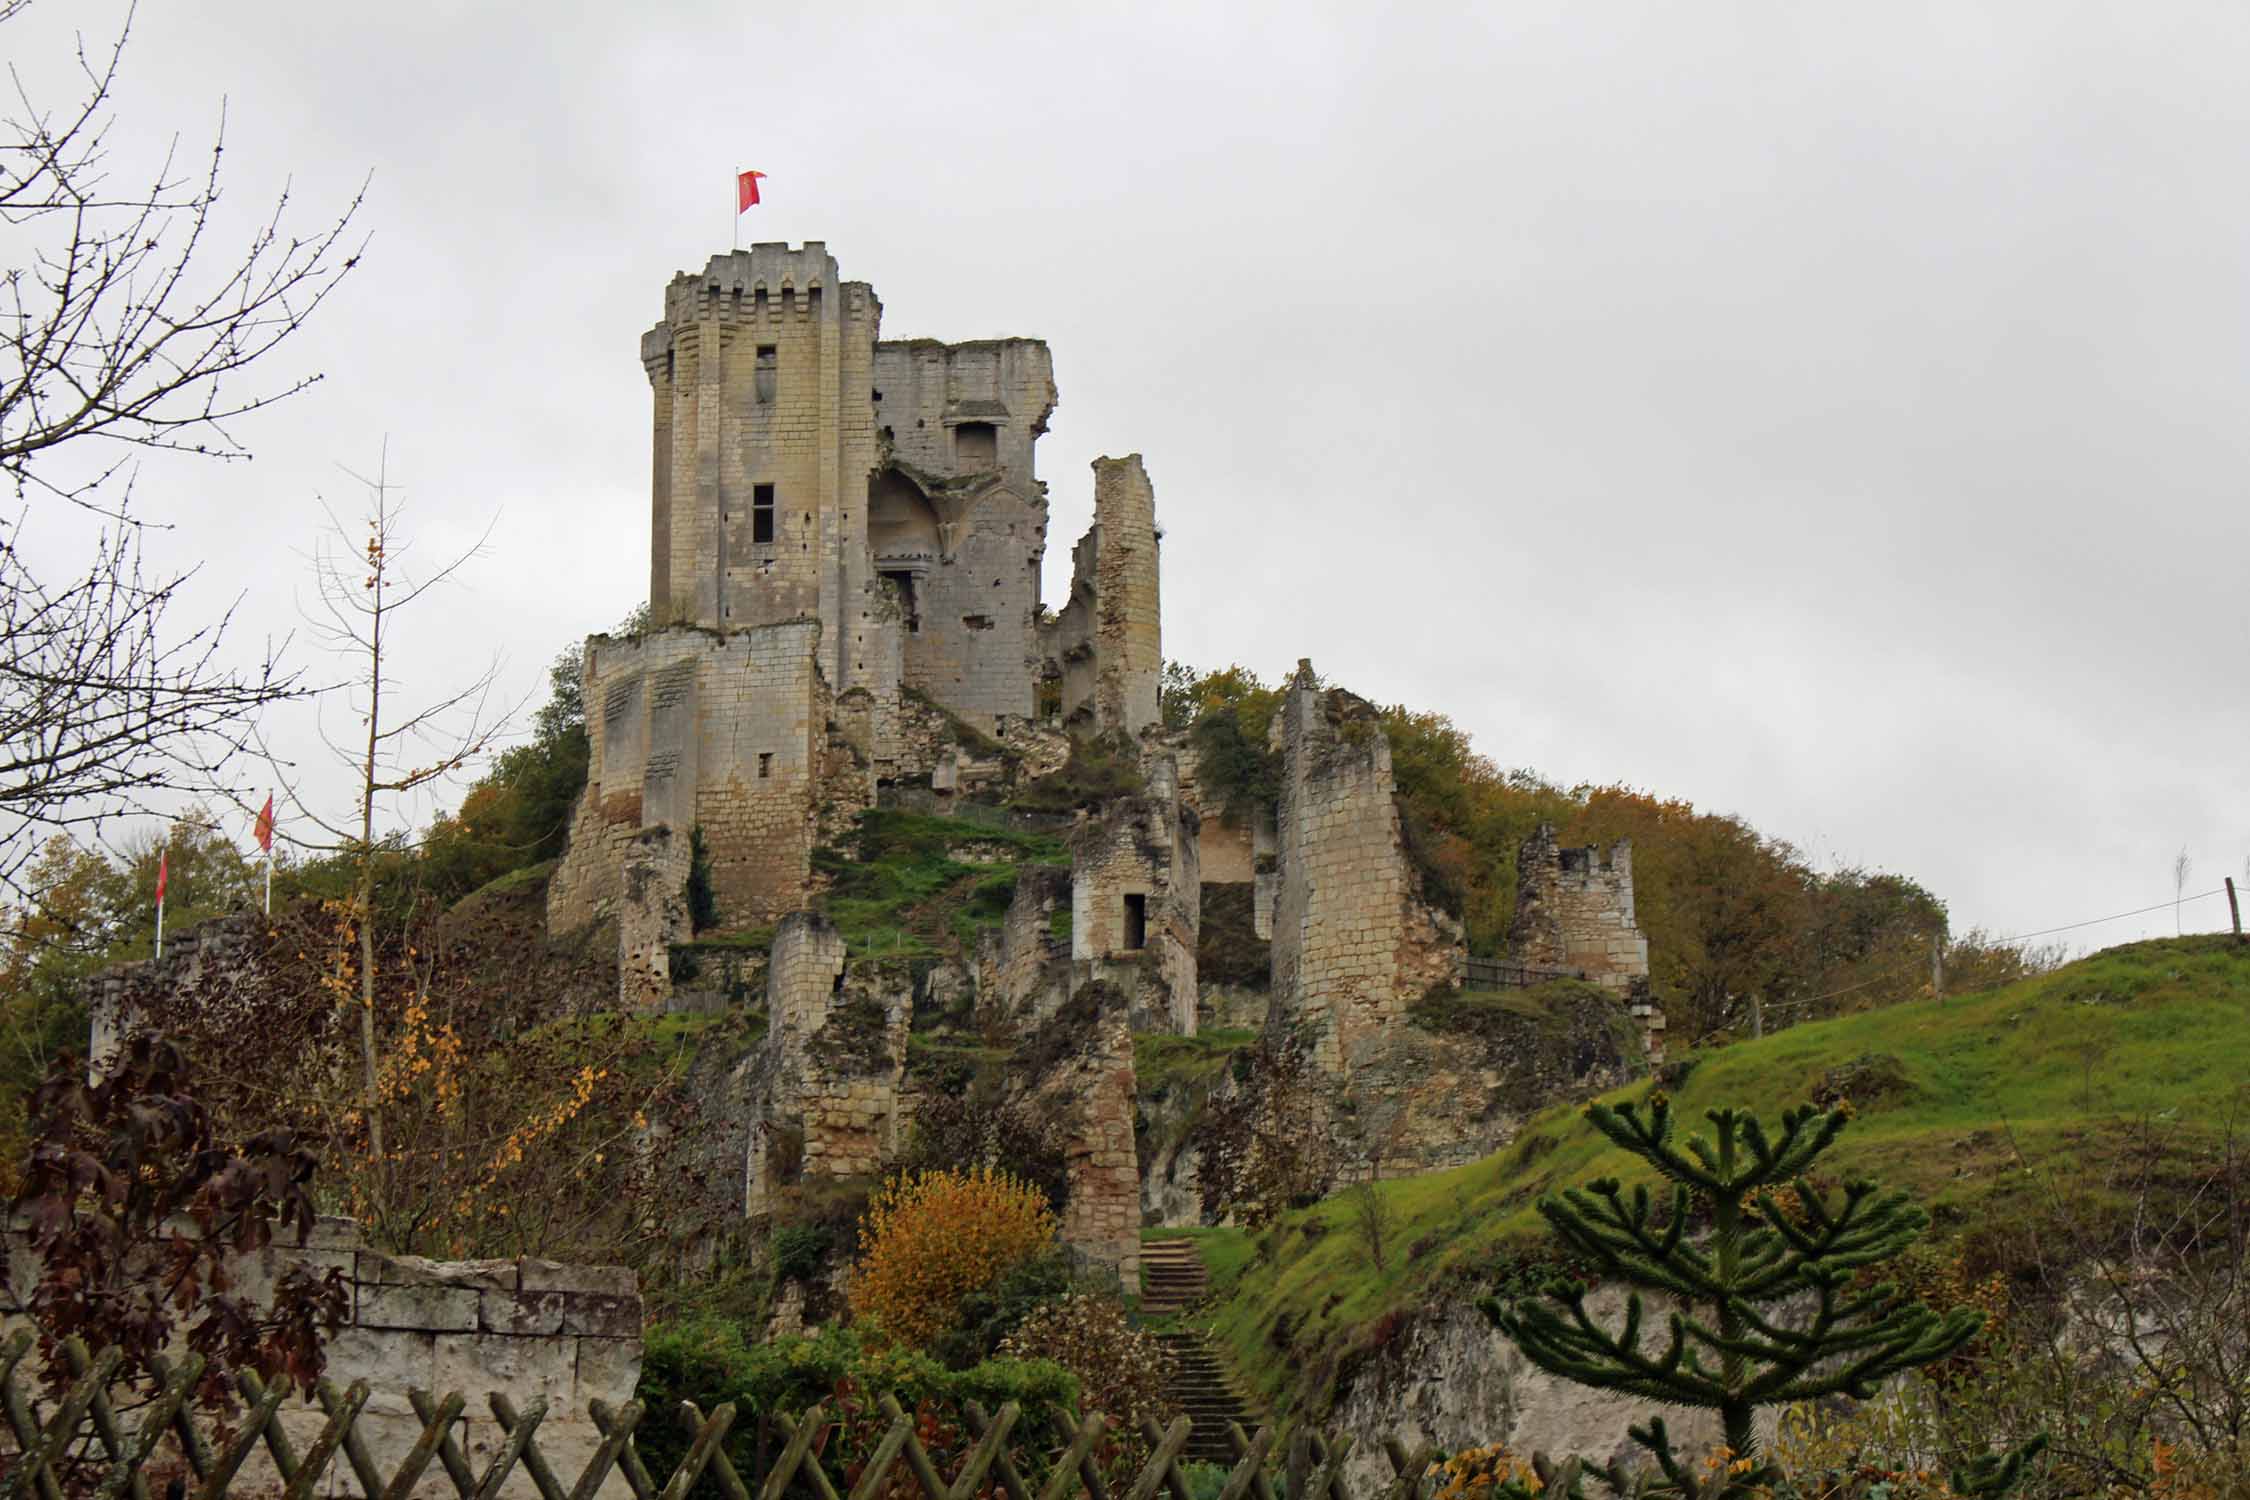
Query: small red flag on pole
column 746, row 190
column 264, row 830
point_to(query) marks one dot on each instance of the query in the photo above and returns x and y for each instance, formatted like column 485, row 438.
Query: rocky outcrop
column 1444, row 1376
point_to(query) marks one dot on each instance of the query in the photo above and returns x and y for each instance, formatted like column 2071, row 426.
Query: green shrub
column 709, row 1362
column 1097, row 771
column 798, row 1250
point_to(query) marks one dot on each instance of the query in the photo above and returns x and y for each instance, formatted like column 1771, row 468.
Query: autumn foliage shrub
column 1123, row 1373
column 930, row 1239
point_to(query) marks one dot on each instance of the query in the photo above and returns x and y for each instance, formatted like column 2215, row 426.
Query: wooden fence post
column 1937, row 967
column 2235, row 908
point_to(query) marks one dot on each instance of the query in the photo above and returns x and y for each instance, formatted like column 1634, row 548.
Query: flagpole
column 269, row 882
column 159, row 924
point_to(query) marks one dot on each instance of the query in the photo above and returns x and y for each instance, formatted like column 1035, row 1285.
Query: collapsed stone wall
column 1574, row 913
column 1091, row 1084
column 693, row 728
column 1353, row 943
column 1107, row 641
column 1574, row 910
column 1137, row 903
column 525, row 1328
column 1023, row 970
column 224, row 956
column 820, row 1096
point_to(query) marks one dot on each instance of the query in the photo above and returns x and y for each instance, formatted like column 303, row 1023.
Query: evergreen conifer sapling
column 1770, row 1303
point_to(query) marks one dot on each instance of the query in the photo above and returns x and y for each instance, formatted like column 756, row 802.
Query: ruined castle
column 846, row 536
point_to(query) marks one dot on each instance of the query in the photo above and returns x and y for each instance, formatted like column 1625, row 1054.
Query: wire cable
column 2176, row 902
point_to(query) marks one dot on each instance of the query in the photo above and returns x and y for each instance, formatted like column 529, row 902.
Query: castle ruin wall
column 1353, row 943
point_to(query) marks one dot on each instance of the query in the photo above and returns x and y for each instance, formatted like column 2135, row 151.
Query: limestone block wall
column 761, row 371
column 1137, row 859
column 697, row 727
column 822, row 1097
column 525, row 1328
column 853, row 1066
column 976, row 637
column 1094, row 1087
column 1022, row 970
column 1574, row 910
column 652, row 914
column 1107, row 642
column 926, row 392
column 1233, row 848
column 220, row 956
column 1353, row 945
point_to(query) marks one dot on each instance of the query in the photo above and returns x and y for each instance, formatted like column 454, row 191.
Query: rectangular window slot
column 905, row 582
column 768, row 370
column 1136, row 921
column 977, row 622
column 761, row 513
column 765, row 764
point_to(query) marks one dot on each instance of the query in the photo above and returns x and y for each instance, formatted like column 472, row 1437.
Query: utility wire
column 2096, row 921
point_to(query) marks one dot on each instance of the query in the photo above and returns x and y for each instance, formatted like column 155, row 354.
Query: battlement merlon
column 761, row 283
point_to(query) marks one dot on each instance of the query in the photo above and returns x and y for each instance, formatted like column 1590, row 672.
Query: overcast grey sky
column 1829, row 414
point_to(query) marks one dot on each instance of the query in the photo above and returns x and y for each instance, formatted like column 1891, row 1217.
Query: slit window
column 768, row 370
column 765, row 764
column 761, row 513
column 1136, row 921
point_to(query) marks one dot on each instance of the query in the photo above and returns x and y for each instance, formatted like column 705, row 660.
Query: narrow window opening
column 768, row 370
column 906, row 604
column 765, row 764
column 761, row 513
column 1136, row 921
column 977, row 622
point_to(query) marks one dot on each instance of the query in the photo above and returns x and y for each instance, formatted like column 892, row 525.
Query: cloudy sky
column 1829, row 414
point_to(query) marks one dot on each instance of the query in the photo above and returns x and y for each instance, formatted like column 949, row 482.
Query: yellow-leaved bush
column 929, row 1239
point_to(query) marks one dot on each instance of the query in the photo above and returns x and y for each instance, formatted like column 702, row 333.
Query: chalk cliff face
column 1449, row 1379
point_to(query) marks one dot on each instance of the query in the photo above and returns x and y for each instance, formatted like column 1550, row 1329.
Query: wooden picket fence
column 113, row 1462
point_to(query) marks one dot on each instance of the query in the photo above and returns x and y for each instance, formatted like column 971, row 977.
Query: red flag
column 264, row 828
column 746, row 189
column 163, row 870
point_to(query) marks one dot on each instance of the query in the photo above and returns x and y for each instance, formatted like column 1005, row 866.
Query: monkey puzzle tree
column 1772, row 1306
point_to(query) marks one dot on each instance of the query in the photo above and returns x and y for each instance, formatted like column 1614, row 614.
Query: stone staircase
column 1172, row 1280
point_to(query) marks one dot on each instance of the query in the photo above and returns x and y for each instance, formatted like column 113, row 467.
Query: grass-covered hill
column 2072, row 1073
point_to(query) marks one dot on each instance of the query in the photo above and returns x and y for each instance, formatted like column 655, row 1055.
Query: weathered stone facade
column 523, row 1328
column 692, row 728
column 1108, row 639
column 1137, row 902
column 1094, row 1088
column 1574, row 913
column 1353, row 942
column 1574, row 910
column 844, row 578
column 820, row 1097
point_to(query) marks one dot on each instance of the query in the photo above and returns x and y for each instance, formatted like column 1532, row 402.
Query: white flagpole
column 269, row 882
column 160, row 926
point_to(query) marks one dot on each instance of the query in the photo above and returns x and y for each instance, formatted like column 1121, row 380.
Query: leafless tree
column 129, row 323
column 363, row 581
column 2182, row 867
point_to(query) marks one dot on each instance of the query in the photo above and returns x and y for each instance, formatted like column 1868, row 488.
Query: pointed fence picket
column 82, row 1449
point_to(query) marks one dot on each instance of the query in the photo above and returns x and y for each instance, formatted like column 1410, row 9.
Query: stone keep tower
column 843, row 532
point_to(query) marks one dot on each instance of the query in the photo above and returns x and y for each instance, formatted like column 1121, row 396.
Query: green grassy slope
column 1945, row 1096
